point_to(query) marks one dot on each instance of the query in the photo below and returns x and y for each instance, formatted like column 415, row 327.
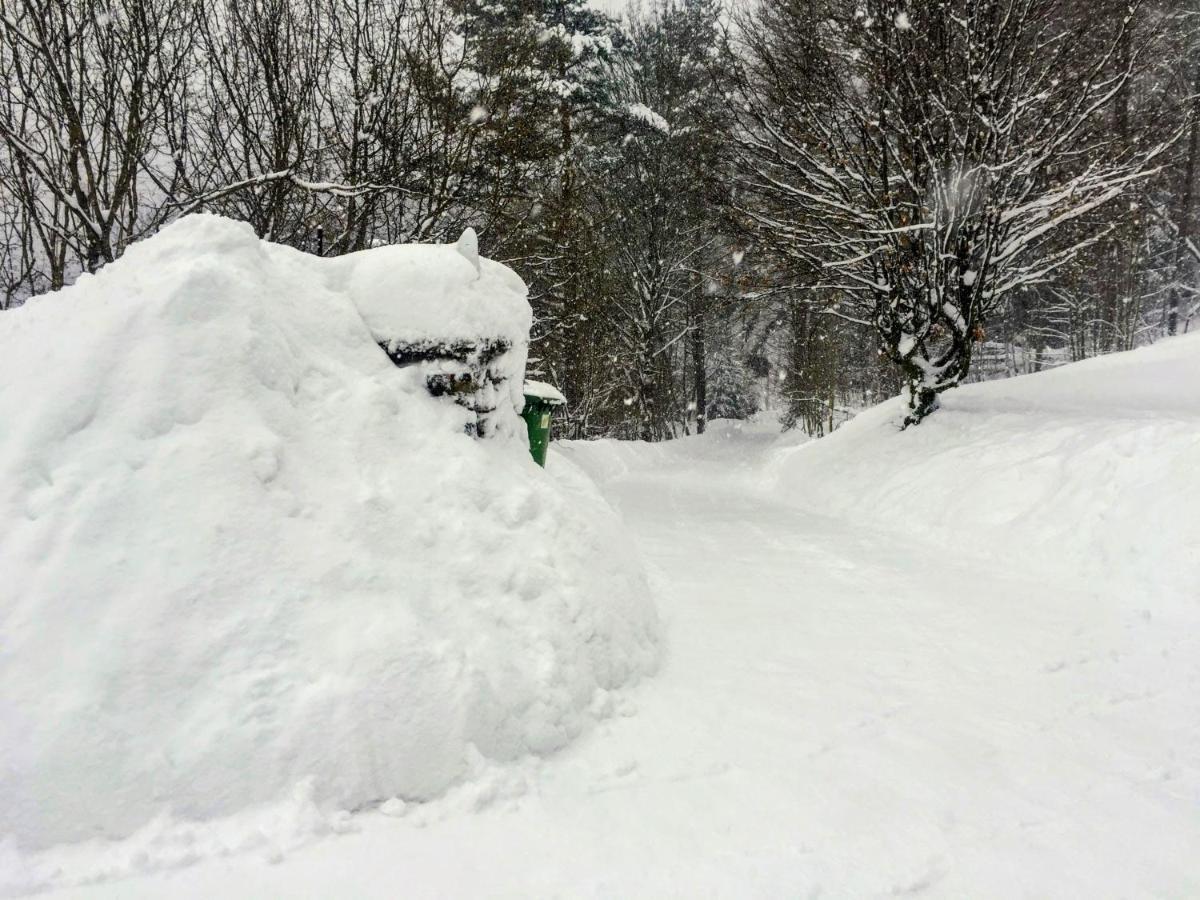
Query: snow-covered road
column 834, row 718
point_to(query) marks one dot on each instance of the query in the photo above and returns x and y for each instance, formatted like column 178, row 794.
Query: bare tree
column 87, row 85
column 917, row 162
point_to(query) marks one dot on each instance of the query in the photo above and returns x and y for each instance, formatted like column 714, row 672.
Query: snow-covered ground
column 962, row 660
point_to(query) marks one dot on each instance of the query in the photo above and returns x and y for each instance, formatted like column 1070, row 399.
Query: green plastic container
column 540, row 402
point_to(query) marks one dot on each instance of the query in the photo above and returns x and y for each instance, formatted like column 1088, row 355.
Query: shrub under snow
column 240, row 549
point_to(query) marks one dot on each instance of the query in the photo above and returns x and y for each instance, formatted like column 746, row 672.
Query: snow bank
column 242, row 551
column 1093, row 467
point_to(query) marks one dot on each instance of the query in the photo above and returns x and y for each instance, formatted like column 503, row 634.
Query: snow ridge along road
column 832, row 719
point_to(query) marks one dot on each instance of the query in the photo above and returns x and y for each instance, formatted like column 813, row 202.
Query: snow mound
column 242, row 551
column 1094, row 467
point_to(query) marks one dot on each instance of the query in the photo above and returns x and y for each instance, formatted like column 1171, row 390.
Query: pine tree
column 669, row 129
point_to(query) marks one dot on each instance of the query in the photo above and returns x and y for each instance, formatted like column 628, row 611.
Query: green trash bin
column 540, row 402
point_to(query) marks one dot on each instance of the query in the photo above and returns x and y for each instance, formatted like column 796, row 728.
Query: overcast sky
column 618, row 7
column 612, row 7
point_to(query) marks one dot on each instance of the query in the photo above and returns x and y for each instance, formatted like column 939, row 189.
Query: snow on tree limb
column 930, row 167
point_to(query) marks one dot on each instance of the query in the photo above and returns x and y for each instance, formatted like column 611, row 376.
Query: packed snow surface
column 247, row 559
column 895, row 667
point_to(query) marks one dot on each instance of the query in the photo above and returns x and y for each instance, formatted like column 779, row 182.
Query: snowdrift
column 242, row 551
column 1092, row 467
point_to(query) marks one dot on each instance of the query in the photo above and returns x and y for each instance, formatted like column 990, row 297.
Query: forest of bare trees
column 803, row 204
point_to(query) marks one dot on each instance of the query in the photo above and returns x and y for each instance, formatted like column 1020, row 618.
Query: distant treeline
column 809, row 202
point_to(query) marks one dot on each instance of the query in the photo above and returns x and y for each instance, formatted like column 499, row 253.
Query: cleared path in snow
column 838, row 715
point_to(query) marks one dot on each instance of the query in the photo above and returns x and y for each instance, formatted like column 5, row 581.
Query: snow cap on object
column 416, row 293
column 543, row 391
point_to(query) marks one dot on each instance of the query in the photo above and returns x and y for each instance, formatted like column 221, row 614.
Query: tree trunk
column 922, row 400
column 699, row 373
column 1185, row 206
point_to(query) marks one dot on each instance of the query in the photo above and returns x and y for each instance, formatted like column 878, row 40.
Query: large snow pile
column 240, row 550
column 1093, row 467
